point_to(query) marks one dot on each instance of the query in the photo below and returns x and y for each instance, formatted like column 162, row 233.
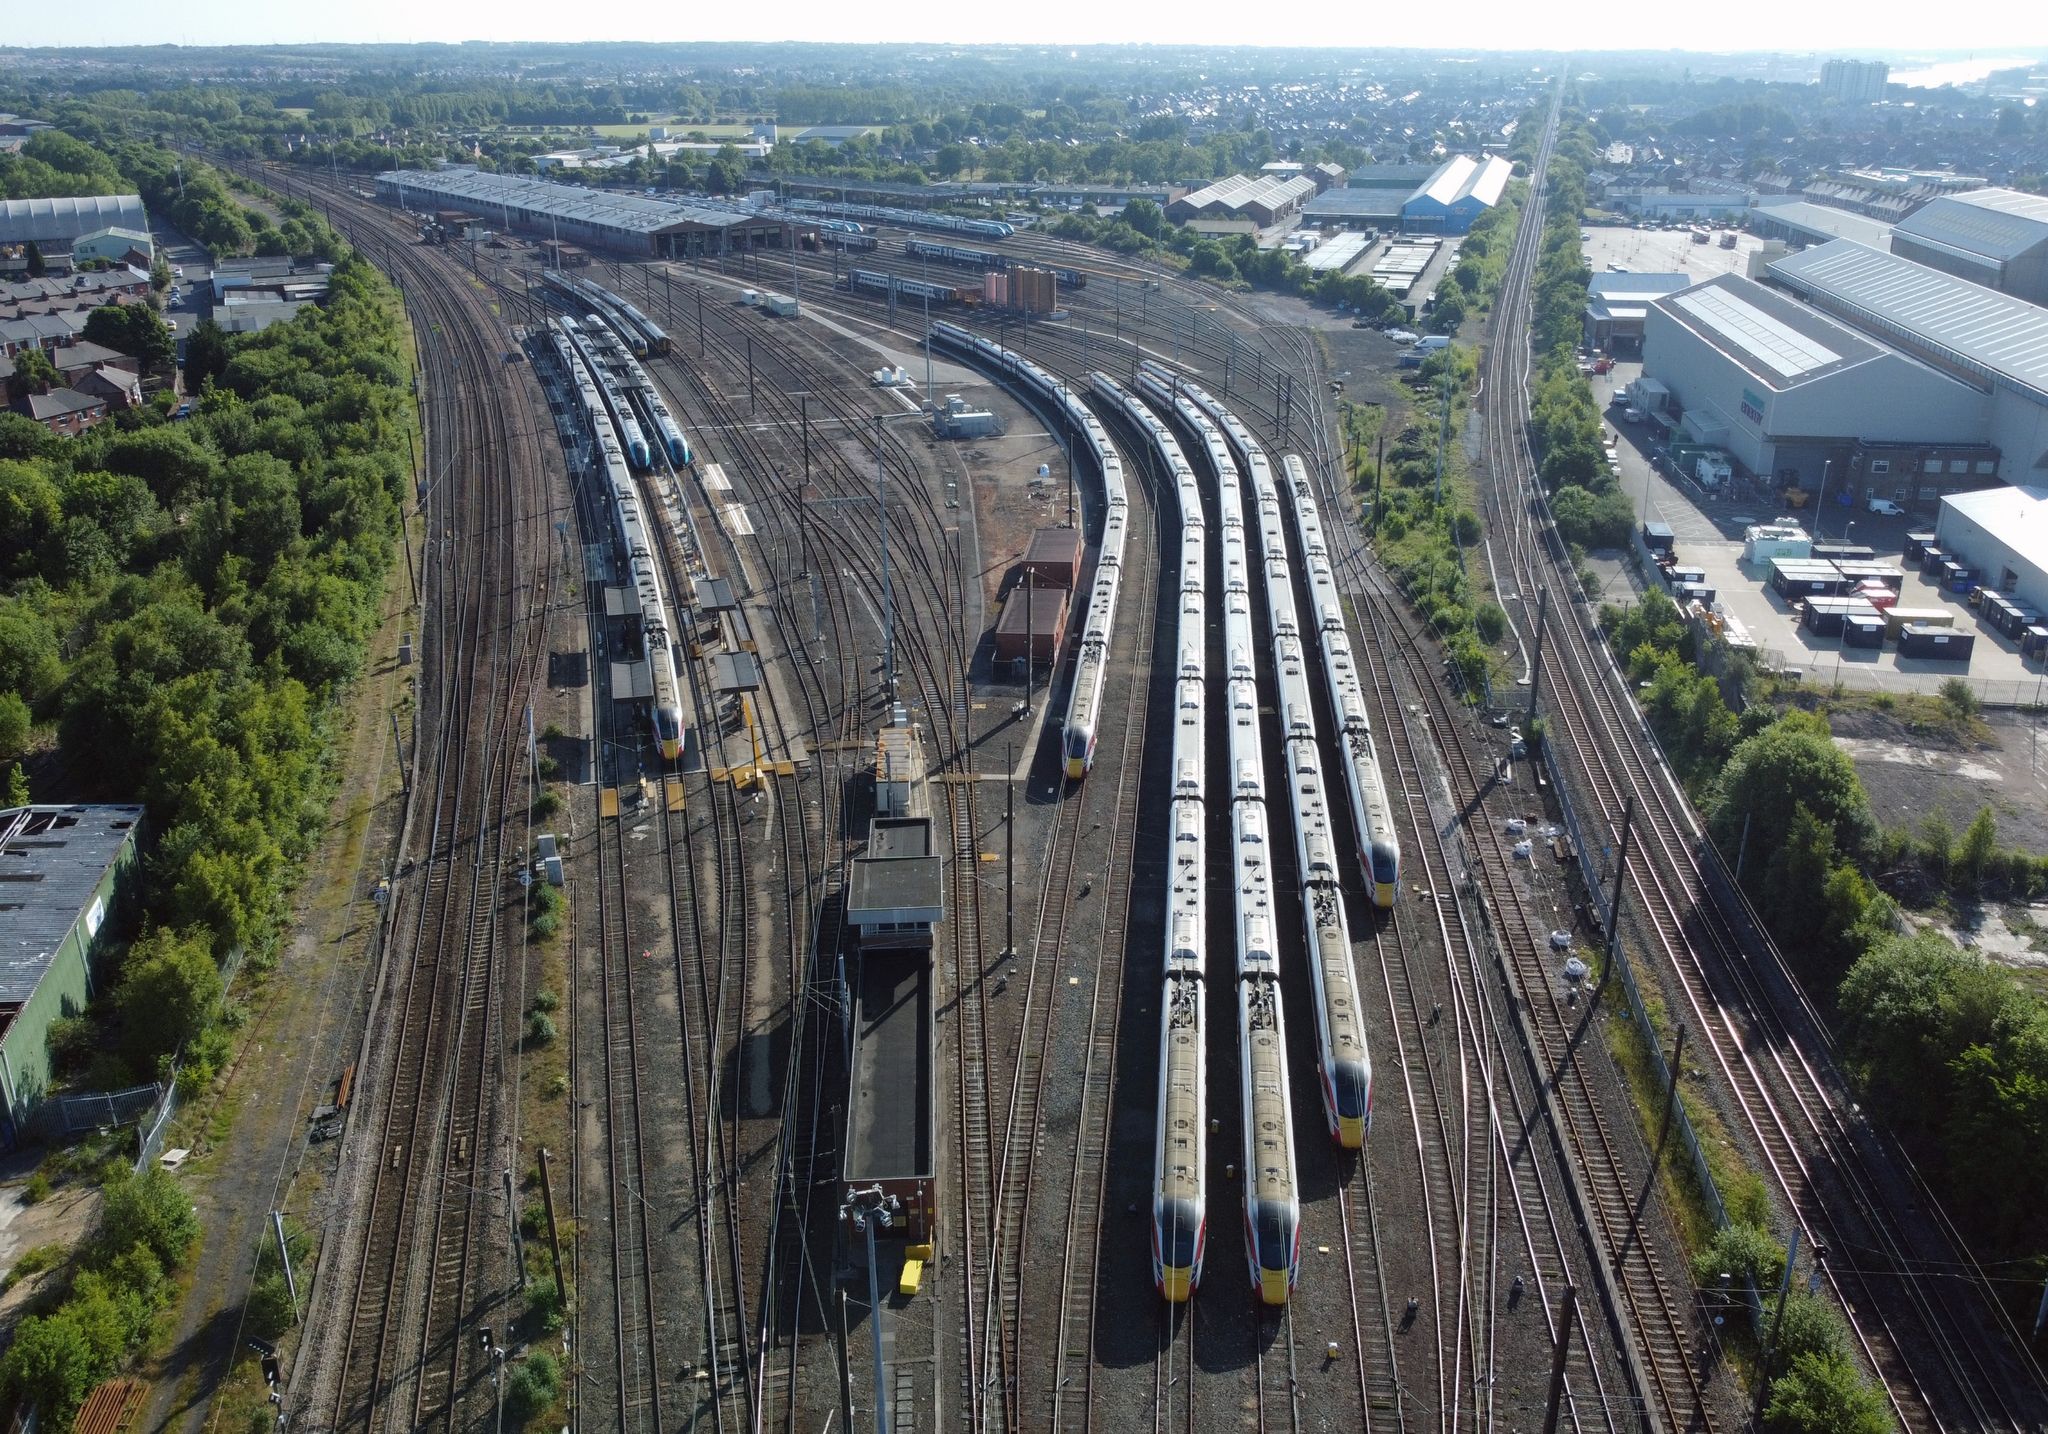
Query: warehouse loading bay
column 1708, row 529
column 1707, row 534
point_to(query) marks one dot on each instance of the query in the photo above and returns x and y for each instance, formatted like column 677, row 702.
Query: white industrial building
column 1994, row 237
column 1990, row 343
column 2002, row 533
column 1796, row 398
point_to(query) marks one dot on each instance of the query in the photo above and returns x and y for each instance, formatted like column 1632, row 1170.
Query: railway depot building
column 69, row 877
column 1794, row 396
column 629, row 224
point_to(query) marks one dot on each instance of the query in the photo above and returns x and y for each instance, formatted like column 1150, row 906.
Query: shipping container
column 2034, row 642
column 1675, row 574
column 2007, row 615
column 1843, row 552
column 1658, row 537
column 1916, row 544
column 1943, row 644
column 1897, row 618
column 1931, row 559
column 1803, row 577
column 780, row 304
column 1694, row 592
column 1957, row 577
column 1887, row 573
column 1823, row 617
column 1863, row 632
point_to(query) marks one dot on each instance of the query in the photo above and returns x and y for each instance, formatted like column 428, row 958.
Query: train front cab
column 668, row 731
column 1274, row 1234
column 1347, row 1101
column 1080, row 752
column 1385, row 874
column 1178, row 1235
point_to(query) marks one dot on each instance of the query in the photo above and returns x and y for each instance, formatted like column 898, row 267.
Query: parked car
column 1886, row 507
column 1632, row 414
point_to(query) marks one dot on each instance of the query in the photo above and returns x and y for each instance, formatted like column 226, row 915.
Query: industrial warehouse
column 1994, row 237
column 616, row 223
column 1853, row 367
column 1416, row 199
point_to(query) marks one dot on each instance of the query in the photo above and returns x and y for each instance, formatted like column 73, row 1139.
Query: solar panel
column 1770, row 341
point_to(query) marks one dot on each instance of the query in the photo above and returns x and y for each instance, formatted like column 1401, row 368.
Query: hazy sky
column 1903, row 25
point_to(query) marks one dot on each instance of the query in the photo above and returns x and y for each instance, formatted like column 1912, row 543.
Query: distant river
column 1957, row 72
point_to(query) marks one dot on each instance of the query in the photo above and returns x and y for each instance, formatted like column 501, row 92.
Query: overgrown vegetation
column 1420, row 536
column 79, row 1336
column 183, row 604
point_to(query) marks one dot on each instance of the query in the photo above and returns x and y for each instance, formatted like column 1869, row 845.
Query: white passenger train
column 1343, row 1063
column 636, row 550
column 1051, row 394
column 1180, row 1133
column 623, row 418
column 1272, row 1205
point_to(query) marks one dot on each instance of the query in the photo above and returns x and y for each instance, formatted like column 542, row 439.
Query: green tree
column 33, row 373
column 133, row 329
column 1792, row 762
column 170, row 987
column 15, row 723
column 1145, row 217
column 33, row 253
column 1979, row 849
column 152, row 1211
column 1825, row 1396
column 206, row 355
column 535, row 1383
column 53, row 1363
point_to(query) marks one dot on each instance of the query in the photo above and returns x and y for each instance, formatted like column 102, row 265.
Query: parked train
column 873, row 281
column 1180, row 1132
column 986, row 259
column 908, row 218
column 646, row 397
column 624, row 421
column 1372, row 814
column 636, row 549
column 1343, row 1063
column 1091, row 665
column 642, row 333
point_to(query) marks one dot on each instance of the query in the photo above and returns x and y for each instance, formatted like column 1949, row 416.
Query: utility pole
column 867, row 1209
column 1557, row 1358
column 1628, row 817
column 1010, row 860
column 1763, row 1384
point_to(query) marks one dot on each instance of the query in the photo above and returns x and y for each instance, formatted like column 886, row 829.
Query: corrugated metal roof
column 1616, row 288
column 1994, row 224
column 1826, row 220
column 2000, row 338
column 66, row 219
column 1463, row 177
column 1779, row 342
column 51, row 861
column 2016, row 516
column 630, row 212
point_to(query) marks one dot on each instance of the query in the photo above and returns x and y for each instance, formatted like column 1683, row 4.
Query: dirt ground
column 1913, row 773
column 63, row 1219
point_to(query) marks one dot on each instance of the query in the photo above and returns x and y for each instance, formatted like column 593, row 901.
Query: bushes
column 1739, row 1251
column 146, row 1229
column 534, row 1384
column 1826, row 1396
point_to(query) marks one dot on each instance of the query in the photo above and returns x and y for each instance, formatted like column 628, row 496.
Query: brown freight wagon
column 1033, row 619
column 1053, row 557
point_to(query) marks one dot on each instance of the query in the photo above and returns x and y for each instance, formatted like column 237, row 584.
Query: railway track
column 398, row 1288
column 1945, row 1348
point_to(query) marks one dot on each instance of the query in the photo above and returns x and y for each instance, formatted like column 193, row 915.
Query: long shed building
column 68, row 880
column 597, row 219
column 1994, row 237
column 1796, row 397
column 1991, row 343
